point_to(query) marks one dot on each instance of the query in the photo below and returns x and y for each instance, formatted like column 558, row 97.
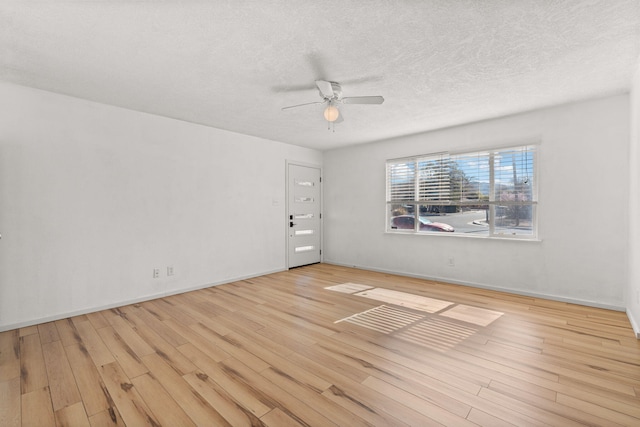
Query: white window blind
column 471, row 174
column 513, row 175
column 401, row 179
column 434, row 178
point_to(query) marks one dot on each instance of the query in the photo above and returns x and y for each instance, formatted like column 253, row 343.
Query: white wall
column 93, row 197
column 633, row 286
column 582, row 255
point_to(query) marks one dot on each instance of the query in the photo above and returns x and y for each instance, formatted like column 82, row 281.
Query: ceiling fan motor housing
column 337, row 92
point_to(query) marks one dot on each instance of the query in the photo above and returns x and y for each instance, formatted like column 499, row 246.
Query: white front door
column 303, row 217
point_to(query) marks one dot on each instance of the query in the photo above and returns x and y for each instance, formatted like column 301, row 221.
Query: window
column 484, row 193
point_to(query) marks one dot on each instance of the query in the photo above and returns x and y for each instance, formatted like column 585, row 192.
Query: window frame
column 529, row 149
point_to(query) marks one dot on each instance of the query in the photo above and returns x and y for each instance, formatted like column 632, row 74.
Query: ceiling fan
column 331, row 94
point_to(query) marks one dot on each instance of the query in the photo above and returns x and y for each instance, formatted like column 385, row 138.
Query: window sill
column 505, row 237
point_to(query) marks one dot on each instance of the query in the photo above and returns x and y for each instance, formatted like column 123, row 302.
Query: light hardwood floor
column 281, row 350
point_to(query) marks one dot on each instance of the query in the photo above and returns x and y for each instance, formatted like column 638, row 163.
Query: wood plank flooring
column 281, row 350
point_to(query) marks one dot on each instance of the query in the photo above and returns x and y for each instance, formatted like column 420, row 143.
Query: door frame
column 286, row 207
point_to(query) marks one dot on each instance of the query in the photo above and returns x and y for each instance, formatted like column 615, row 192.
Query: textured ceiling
column 234, row 64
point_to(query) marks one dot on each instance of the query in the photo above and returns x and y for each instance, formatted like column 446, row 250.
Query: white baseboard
column 634, row 324
column 59, row 316
column 489, row 287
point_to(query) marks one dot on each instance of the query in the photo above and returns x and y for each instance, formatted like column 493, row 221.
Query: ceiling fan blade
column 291, row 88
column 325, row 88
column 363, row 100
column 302, row 105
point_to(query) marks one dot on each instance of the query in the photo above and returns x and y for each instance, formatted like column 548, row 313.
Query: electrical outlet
column 451, row 262
column 156, row 273
column 170, row 270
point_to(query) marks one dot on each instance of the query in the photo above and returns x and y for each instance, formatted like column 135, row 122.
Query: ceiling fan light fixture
column 331, row 113
column 331, row 94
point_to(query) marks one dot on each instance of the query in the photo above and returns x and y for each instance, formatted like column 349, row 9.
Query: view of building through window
column 485, row 193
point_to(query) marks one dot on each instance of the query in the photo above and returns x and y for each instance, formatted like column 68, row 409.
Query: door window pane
column 303, row 216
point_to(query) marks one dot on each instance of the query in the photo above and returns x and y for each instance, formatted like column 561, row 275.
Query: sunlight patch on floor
column 433, row 331
column 404, row 299
column 441, row 328
column 348, row 288
column 475, row 315
column 383, row 319
column 436, row 333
